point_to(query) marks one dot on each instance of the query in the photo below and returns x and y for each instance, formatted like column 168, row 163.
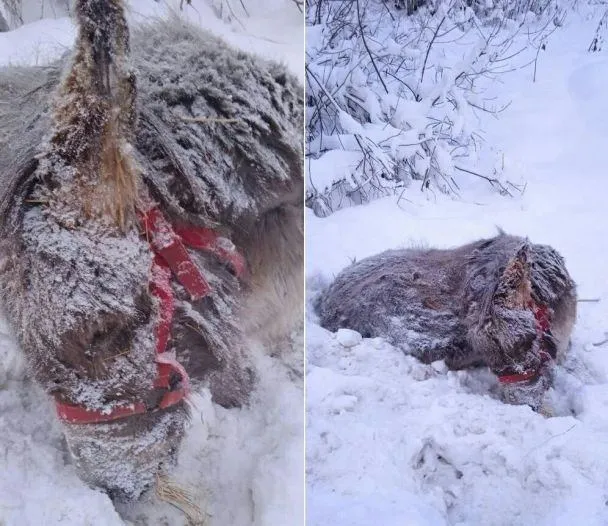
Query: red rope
column 170, row 259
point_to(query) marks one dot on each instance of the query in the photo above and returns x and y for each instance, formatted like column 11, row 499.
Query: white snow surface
column 242, row 466
column 394, row 442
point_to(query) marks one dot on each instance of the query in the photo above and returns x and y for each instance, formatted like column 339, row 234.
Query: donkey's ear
column 514, row 287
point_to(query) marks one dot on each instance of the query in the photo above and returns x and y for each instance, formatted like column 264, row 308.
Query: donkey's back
column 411, row 297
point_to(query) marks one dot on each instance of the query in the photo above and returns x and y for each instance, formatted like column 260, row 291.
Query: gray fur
column 76, row 289
column 460, row 305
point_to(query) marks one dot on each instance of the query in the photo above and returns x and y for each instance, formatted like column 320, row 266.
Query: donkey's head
column 88, row 322
column 513, row 334
column 94, row 337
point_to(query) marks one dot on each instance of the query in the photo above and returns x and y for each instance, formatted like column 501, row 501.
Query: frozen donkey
column 150, row 222
column 503, row 302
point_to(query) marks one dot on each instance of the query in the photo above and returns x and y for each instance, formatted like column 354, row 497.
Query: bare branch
column 367, row 48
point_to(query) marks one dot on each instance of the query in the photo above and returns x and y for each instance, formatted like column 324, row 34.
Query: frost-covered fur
column 465, row 305
column 81, row 141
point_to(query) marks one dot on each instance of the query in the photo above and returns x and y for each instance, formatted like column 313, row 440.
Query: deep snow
column 244, row 467
column 394, row 442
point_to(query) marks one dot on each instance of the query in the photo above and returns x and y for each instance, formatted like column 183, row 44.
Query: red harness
column 170, row 257
column 543, row 324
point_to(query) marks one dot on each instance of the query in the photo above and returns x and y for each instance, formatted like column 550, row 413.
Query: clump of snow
column 348, row 338
column 37, row 483
column 440, row 367
column 245, row 466
column 393, row 441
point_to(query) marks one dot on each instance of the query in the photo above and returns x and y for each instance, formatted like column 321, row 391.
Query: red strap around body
column 171, row 257
column 167, row 244
column 209, row 240
column 160, row 287
column 541, row 317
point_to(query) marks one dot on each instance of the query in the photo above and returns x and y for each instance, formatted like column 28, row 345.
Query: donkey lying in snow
column 151, row 215
column 501, row 302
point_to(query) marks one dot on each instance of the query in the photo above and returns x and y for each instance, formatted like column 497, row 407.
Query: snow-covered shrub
column 598, row 38
column 10, row 13
column 233, row 10
column 392, row 98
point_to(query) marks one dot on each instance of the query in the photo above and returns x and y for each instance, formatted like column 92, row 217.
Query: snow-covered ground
column 243, row 467
column 394, row 442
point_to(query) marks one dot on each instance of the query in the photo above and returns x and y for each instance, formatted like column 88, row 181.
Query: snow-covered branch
column 393, row 97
